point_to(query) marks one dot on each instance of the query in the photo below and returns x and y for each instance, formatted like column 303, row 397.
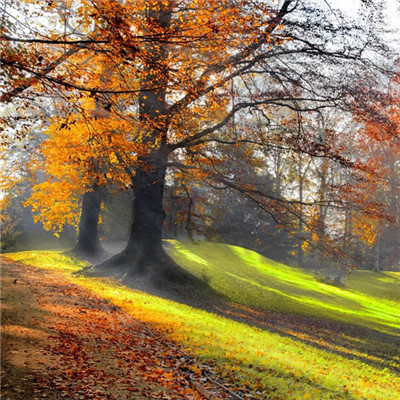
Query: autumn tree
column 67, row 190
column 80, row 162
column 381, row 187
column 70, row 192
column 171, row 78
column 21, row 134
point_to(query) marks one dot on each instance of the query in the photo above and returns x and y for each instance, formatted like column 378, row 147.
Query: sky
column 352, row 6
column 391, row 12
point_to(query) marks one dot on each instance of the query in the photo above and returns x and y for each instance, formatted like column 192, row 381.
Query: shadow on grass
column 372, row 347
column 344, row 339
column 351, row 341
column 366, row 344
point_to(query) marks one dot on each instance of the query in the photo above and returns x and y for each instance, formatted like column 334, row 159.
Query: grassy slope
column 290, row 366
column 248, row 278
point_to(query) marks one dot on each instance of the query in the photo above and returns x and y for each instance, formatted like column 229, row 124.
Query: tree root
column 157, row 269
column 92, row 255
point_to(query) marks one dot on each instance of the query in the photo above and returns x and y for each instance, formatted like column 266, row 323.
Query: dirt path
column 59, row 341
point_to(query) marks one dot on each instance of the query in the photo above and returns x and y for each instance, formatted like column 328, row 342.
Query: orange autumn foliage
column 99, row 134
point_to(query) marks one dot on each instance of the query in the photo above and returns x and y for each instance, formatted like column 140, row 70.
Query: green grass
column 294, row 365
column 54, row 260
column 247, row 278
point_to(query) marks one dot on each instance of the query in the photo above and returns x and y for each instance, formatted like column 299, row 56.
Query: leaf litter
column 59, row 341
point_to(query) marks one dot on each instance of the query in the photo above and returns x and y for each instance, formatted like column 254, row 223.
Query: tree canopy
column 147, row 93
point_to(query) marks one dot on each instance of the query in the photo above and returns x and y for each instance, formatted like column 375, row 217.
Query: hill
column 275, row 330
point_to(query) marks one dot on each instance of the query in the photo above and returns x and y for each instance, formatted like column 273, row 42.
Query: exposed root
column 156, row 269
column 93, row 255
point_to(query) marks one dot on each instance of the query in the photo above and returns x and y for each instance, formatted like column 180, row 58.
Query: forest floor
column 60, row 341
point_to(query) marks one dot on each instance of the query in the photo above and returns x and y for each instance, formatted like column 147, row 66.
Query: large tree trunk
column 88, row 245
column 144, row 255
column 144, row 250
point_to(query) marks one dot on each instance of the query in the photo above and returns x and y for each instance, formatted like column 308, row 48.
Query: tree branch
column 233, row 60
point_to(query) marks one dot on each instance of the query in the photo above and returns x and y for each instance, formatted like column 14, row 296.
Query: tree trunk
column 88, row 245
column 377, row 266
column 300, row 252
column 144, row 255
column 144, row 252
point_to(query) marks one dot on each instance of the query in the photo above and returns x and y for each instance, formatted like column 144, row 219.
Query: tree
column 383, row 146
column 24, row 121
column 170, row 70
column 80, row 162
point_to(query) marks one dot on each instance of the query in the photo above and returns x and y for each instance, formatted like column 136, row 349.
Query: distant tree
column 80, row 159
column 383, row 146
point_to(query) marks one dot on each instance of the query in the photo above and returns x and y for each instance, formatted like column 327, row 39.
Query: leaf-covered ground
column 278, row 332
column 60, row 341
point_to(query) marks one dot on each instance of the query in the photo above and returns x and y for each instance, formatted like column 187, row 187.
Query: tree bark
column 88, row 245
column 144, row 255
column 144, row 252
column 377, row 266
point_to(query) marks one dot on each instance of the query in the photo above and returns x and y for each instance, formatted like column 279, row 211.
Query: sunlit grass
column 54, row 260
column 255, row 281
column 281, row 367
